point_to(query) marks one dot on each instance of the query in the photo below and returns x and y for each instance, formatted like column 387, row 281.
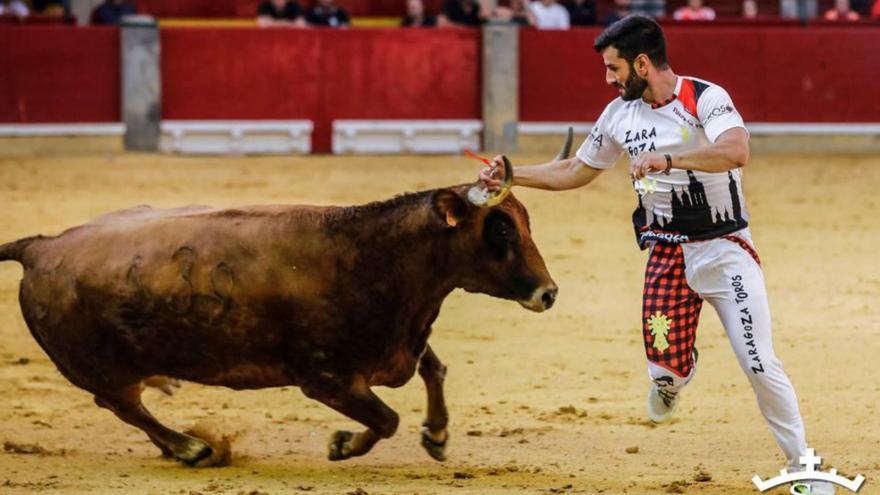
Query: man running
column 687, row 146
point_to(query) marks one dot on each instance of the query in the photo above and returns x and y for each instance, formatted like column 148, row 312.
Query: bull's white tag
column 478, row 195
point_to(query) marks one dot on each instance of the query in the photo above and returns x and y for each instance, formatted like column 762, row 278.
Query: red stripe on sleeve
column 688, row 97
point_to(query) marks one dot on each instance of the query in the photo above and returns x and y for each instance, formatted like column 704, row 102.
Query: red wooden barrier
column 773, row 74
column 59, row 74
column 320, row 75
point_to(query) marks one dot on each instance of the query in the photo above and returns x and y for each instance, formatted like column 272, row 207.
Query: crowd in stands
column 540, row 14
column 288, row 13
column 562, row 14
column 23, row 8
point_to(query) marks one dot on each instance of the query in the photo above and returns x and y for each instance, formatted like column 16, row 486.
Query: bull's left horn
column 566, row 146
column 480, row 196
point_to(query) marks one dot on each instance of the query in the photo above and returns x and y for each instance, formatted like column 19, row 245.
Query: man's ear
column 449, row 207
column 642, row 62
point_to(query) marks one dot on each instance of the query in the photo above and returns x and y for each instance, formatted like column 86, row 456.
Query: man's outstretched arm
column 552, row 176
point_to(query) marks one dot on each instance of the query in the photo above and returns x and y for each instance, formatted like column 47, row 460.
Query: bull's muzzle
column 542, row 299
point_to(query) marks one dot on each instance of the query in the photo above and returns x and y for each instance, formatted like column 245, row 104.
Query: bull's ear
column 449, row 206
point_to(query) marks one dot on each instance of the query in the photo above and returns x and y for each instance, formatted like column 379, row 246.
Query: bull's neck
column 402, row 246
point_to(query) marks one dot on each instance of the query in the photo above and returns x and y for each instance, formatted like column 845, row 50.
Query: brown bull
column 333, row 300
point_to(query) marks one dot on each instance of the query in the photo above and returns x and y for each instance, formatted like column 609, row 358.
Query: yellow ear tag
column 450, row 219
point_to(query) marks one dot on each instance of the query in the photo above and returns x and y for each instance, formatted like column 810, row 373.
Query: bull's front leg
column 358, row 402
column 434, row 433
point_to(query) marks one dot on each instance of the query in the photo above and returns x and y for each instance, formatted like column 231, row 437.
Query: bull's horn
column 479, row 196
column 566, row 146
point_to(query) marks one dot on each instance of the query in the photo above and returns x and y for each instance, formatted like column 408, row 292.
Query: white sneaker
column 661, row 404
column 813, row 488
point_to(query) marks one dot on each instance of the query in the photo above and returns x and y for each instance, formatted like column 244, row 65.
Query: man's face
column 621, row 74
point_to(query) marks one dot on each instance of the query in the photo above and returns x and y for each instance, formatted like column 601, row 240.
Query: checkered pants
column 670, row 311
column 726, row 273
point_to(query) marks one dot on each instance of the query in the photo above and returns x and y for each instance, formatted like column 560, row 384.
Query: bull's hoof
column 339, row 448
column 207, row 447
column 437, row 450
column 196, row 457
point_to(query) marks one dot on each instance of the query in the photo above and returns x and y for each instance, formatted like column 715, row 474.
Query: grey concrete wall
column 500, row 87
column 141, row 83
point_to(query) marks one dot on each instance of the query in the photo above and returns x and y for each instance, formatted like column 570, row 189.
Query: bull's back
column 153, row 285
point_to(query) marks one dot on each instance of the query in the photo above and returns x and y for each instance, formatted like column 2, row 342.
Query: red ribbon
column 471, row 154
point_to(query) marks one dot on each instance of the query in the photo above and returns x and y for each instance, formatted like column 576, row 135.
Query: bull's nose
column 549, row 297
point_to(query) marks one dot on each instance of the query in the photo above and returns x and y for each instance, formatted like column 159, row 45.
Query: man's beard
column 634, row 86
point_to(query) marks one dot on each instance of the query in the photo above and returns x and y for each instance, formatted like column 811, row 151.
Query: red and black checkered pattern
column 667, row 292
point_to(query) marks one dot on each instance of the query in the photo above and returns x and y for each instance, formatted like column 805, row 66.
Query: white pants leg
column 729, row 278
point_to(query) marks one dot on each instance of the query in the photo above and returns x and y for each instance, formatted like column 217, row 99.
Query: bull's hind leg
column 434, row 435
column 359, row 403
column 127, row 406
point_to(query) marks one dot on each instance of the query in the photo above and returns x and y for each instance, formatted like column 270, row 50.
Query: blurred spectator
column 581, row 12
column 515, row 12
column 462, row 13
column 416, row 16
column 841, row 12
column 798, row 9
column 875, row 12
column 621, row 10
column 280, row 13
column 651, row 8
column 550, row 15
column 694, row 11
column 111, row 12
column 863, row 7
column 13, row 7
column 51, row 7
column 324, row 13
column 750, row 9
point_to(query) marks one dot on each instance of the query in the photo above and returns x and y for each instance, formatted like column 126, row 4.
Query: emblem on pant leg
column 659, row 325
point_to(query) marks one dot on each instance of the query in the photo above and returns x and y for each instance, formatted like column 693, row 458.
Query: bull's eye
column 499, row 233
column 503, row 231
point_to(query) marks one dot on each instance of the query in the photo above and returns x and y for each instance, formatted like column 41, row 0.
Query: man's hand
column 493, row 175
column 647, row 162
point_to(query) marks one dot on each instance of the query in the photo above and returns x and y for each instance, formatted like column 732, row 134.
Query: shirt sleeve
column 564, row 18
column 600, row 150
column 717, row 113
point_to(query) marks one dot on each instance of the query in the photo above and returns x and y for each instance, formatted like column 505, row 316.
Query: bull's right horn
column 478, row 195
column 566, row 146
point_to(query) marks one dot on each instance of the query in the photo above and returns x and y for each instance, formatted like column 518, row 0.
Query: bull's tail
column 14, row 251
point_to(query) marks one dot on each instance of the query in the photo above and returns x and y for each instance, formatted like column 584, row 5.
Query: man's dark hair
column 633, row 35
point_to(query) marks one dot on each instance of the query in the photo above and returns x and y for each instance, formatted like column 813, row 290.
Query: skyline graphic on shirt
column 692, row 215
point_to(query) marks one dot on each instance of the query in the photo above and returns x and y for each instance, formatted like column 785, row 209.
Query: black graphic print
column 692, row 217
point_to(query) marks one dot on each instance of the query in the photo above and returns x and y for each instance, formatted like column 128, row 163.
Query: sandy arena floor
column 540, row 403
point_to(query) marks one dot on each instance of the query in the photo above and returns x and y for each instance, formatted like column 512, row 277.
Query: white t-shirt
column 684, row 205
column 552, row 17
